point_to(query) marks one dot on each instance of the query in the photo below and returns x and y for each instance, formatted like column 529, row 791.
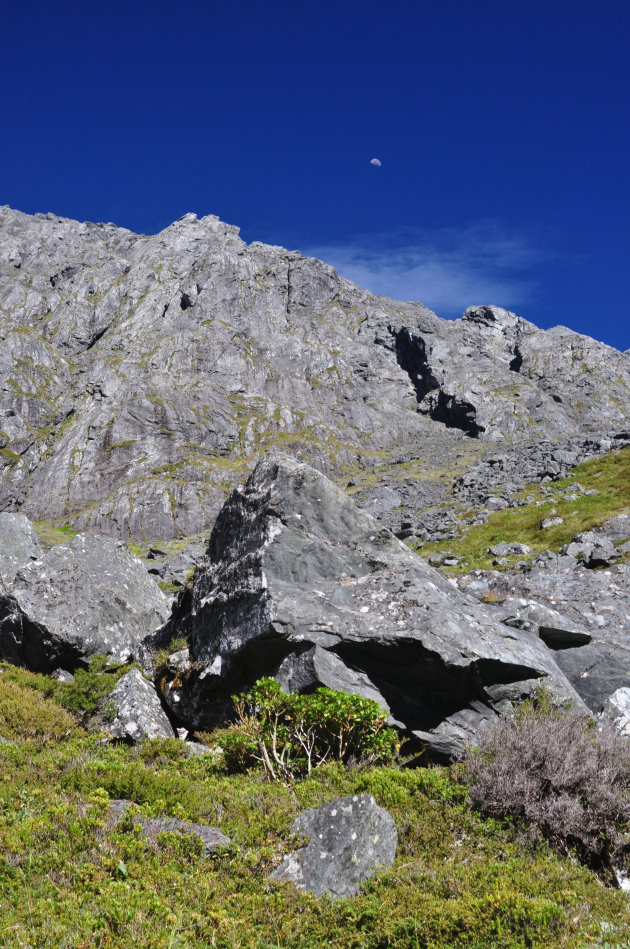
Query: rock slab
column 350, row 840
column 18, row 545
column 211, row 838
column 138, row 712
column 91, row 596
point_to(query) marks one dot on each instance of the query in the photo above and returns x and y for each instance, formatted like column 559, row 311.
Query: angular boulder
column 87, row 597
column 18, row 545
column 350, row 840
column 595, row 549
column 294, row 566
column 138, row 713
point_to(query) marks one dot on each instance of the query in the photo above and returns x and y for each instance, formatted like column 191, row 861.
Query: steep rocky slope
column 141, row 378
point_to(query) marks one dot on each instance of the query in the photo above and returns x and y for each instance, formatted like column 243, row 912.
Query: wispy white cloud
column 448, row 269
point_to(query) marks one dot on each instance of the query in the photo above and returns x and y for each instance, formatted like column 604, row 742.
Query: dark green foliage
column 290, row 734
column 84, row 697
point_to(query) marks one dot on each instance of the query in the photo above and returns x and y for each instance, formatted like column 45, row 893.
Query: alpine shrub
column 290, row 734
column 566, row 776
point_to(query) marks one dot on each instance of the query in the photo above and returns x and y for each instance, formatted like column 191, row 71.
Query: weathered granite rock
column 137, row 711
column 87, row 597
column 140, row 375
column 293, row 564
column 211, row 838
column 18, row 545
column 571, row 602
column 350, row 840
column 617, row 708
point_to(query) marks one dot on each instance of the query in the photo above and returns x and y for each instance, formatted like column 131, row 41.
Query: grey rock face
column 350, row 840
column 315, row 667
column 138, row 713
column 211, row 838
column 292, row 564
column 596, row 550
column 617, row 708
column 140, row 377
column 571, row 603
column 91, row 596
column 18, row 545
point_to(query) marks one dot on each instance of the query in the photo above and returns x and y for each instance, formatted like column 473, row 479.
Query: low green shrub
column 290, row 734
column 83, row 697
column 27, row 714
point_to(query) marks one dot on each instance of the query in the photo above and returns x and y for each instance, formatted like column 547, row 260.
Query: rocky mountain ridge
column 142, row 377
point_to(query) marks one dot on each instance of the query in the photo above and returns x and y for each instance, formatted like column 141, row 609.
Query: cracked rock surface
column 91, row 596
column 296, row 574
column 351, row 838
column 137, row 711
column 141, row 377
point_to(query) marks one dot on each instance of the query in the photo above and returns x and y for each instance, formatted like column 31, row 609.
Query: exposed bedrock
column 295, row 572
column 141, row 377
column 582, row 614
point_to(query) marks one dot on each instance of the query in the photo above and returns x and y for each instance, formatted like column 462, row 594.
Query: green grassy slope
column 66, row 880
column 609, row 476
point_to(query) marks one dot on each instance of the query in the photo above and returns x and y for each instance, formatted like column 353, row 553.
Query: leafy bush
column 291, row 734
column 569, row 779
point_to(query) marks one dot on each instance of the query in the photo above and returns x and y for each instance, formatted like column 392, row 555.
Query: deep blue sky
column 502, row 127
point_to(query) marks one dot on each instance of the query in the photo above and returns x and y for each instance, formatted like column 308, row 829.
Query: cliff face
column 142, row 377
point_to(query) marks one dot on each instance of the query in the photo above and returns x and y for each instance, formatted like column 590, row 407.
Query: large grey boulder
column 137, row 711
column 87, row 597
column 293, row 567
column 18, row 545
column 350, row 840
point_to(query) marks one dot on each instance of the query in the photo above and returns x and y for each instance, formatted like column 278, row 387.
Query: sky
column 502, row 128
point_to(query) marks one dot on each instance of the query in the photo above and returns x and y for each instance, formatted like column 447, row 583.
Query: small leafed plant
column 291, row 734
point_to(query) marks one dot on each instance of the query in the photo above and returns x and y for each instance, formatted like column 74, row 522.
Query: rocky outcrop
column 91, row 596
column 295, row 571
column 142, row 376
column 18, row 545
column 351, row 838
column 137, row 711
column 582, row 614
